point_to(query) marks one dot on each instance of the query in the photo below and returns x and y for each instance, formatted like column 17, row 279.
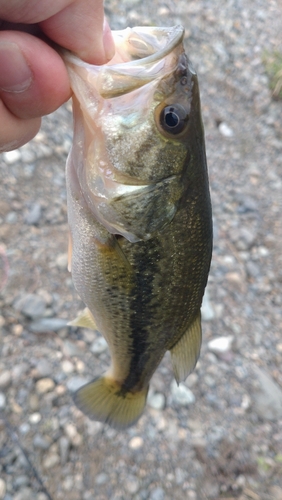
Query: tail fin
column 104, row 400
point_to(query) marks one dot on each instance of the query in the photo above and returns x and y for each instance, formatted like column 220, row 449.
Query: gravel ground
column 220, row 435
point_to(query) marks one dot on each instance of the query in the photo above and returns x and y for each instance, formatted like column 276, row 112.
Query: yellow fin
column 104, row 400
column 85, row 320
column 185, row 353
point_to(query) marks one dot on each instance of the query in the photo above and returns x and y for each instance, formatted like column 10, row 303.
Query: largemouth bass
column 139, row 214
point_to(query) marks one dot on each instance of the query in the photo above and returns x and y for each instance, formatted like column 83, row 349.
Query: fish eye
column 173, row 119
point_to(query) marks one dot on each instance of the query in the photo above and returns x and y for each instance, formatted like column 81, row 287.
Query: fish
column 139, row 214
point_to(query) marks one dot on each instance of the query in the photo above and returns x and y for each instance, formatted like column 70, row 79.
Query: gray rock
column 25, row 494
column 131, row 484
column 2, row 488
column 221, row 345
column 2, row 401
column 267, row 396
column 12, row 156
column 21, row 481
column 64, row 448
column 99, row 346
column 47, row 325
column 243, row 237
column 34, row 214
column 71, row 349
column 74, row 383
column 11, row 218
column 156, row 400
column 41, row 442
column 225, row 130
column 207, row 311
column 5, row 379
column 101, row 478
column 157, row 494
column 31, row 305
column 181, row 395
column 19, row 371
column 44, row 368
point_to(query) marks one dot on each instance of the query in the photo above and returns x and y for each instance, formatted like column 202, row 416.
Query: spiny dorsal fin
column 85, row 319
column 185, row 353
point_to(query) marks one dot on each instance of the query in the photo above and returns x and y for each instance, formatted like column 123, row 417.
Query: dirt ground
column 221, row 438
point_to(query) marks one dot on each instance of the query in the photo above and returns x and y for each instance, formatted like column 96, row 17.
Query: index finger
column 77, row 25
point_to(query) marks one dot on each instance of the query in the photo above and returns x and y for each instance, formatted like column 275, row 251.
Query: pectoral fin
column 85, row 320
column 185, row 353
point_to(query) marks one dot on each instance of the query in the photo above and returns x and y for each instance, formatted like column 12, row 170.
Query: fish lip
column 175, row 36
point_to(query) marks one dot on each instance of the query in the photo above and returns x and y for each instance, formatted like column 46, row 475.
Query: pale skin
column 33, row 78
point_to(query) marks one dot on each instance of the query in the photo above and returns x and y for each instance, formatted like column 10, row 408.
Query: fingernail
column 15, row 75
column 108, row 41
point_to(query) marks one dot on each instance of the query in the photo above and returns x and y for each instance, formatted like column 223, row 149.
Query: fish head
column 134, row 123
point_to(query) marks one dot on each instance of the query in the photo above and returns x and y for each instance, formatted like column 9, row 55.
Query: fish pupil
column 173, row 119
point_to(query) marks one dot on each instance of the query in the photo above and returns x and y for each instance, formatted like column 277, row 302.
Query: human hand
column 33, row 78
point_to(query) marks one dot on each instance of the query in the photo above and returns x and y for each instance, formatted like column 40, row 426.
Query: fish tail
column 105, row 400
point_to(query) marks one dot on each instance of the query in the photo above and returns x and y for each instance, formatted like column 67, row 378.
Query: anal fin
column 85, row 319
column 185, row 353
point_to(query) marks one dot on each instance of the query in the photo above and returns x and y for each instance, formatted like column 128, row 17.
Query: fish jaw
column 114, row 109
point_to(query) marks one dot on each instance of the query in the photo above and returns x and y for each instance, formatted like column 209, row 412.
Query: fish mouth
column 142, row 55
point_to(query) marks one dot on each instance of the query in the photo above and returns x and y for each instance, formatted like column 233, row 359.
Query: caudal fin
column 104, row 400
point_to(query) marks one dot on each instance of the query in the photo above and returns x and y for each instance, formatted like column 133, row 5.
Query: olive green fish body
column 140, row 219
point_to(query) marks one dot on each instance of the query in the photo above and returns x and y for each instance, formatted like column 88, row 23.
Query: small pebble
column 68, row 483
column 67, row 366
column 44, row 368
column 31, row 305
column 33, row 402
column 34, row 214
column 62, row 261
column 221, row 345
column 5, row 379
column 101, row 478
column 157, row 494
column 43, row 325
column 136, row 442
column 24, row 494
column 44, row 385
column 41, row 442
column 2, row 488
column 207, row 311
column 74, row 383
column 181, row 395
column 99, row 346
column 2, row 401
column 156, row 400
column 131, row 484
column 64, row 447
column 12, row 156
column 225, row 130
column 35, row 418
column 71, row 432
column 51, row 460
column 24, row 428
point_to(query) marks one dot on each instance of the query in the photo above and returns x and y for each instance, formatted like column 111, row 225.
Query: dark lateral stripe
column 142, row 309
